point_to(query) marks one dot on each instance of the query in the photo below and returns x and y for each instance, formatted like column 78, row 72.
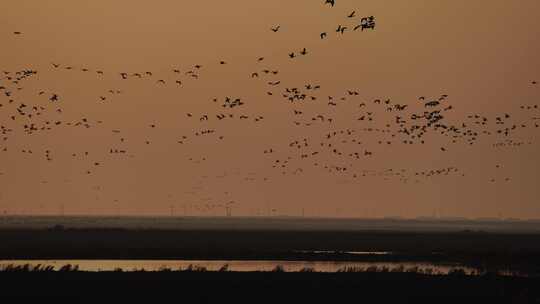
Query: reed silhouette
column 195, row 285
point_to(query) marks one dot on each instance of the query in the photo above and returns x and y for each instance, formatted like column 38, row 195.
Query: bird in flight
column 331, row 2
column 275, row 29
column 351, row 15
column 304, row 51
column 323, row 34
column 292, row 55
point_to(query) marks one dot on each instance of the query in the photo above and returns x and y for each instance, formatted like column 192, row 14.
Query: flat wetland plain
column 491, row 246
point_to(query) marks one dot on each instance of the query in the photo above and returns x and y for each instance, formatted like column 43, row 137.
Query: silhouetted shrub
column 413, row 269
column 192, row 267
column 224, row 268
column 457, row 272
column 68, row 268
column 200, row 268
column 307, row 269
column 372, row 269
column 139, row 269
column 357, row 269
column 278, row 268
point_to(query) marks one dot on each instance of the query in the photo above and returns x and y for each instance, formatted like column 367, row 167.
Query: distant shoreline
column 270, row 223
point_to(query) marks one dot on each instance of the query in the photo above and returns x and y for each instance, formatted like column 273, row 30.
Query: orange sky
column 483, row 55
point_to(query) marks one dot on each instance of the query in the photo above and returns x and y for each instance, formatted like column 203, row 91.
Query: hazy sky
column 482, row 54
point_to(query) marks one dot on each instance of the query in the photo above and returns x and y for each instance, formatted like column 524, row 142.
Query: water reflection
column 242, row 266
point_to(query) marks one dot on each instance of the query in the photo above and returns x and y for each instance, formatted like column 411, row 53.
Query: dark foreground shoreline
column 269, row 287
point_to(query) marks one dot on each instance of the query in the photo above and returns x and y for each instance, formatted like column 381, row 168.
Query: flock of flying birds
column 335, row 151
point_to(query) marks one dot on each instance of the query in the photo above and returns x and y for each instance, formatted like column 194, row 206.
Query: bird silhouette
column 341, row 29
